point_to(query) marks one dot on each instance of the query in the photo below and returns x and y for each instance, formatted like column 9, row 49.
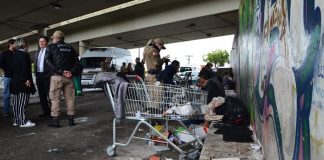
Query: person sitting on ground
column 207, row 69
column 213, row 90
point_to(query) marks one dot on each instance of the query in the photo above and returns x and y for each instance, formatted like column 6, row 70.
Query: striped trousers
column 20, row 102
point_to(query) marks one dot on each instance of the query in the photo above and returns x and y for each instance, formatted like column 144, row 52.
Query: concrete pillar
column 83, row 46
column 42, row 31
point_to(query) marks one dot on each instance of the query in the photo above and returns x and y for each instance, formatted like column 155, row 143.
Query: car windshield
column 92, row 62
column 183, row 69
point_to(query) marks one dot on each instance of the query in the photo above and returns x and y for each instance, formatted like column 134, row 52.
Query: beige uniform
column 152, row 60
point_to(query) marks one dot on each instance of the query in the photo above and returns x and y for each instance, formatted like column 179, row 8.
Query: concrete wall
column 279, row 67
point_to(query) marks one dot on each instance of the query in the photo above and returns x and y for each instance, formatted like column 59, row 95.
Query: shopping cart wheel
column 182, row 157
column 111, row 151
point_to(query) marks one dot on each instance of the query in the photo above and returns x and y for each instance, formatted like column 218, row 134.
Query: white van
column 92, row 59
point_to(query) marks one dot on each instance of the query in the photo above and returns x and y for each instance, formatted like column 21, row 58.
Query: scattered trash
column 199, row 130
column 193, row 154
column 161, row 148
column 159, row 128
column 55, row 150
column 185, row 136
column 234, row 158
column 151, row 143
column 81, row 119
column 255, row 147
column 154, row 157
column 28, row 134
column 138, row 114
column 185, row 109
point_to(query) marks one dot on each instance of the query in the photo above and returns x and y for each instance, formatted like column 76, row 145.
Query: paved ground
column 89, row 139
column 85, row 141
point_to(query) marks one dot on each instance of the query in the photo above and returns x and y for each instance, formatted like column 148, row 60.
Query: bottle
column 138, row 114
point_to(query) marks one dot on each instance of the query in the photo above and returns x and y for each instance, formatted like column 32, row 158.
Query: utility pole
column 188, row 58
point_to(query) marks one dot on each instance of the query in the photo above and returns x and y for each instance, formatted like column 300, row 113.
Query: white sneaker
column 28, row 124
column 15, row 124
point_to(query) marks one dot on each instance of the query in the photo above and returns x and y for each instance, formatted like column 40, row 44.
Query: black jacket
column 47, row 71
column 166, row 76
column 139, row 69
column 213, row 90
column 21, row 72
column 5, row 62
column 60, row 57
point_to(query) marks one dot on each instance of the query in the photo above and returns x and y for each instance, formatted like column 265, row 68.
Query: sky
column 195, row 48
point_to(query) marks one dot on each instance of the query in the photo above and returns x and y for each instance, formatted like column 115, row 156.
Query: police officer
column 62, row 60
column 153, row 59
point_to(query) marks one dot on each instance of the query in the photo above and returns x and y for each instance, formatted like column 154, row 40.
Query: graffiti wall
column 278, row 63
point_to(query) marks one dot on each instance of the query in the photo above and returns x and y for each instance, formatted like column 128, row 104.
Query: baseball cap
column 58, row 34
column 159, row 41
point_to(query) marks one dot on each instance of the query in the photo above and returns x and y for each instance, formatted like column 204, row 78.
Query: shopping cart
column 144, row 103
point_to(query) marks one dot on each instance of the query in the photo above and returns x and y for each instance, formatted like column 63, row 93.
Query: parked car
column 191, row 76
column 188, row 68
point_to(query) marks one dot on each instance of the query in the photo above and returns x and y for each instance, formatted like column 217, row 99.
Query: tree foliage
column 217, row 57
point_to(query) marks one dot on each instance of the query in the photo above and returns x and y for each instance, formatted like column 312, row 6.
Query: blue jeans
column 6, row 94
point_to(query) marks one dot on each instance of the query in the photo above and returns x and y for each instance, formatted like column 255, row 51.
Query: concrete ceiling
column 21, row 16
column 198, row 28
column 35, row 14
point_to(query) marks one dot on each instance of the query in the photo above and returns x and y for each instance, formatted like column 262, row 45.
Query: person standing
column 129, row 69
column 21, row 85
column 139, row 68
column 62, row 59
column 123, row 67
column 5, row 64
column 153, row 59
column 43, row 76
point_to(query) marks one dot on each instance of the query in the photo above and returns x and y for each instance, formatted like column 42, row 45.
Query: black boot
column 54, row 122
column 71, row 120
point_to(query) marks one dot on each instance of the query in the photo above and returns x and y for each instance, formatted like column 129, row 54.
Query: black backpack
column 235, row 112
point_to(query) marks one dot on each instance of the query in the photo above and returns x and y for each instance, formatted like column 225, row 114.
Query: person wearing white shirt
column 43, row 76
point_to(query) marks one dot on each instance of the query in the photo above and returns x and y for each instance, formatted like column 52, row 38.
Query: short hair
column 20, row 43
column 209, row 65
column 206, row 74
column 10, row 42
column 175, row 63
column 44, row 37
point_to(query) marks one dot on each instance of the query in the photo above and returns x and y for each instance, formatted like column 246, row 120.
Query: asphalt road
column 87, row 140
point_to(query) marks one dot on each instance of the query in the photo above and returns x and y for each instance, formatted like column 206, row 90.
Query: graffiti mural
column 279, row 65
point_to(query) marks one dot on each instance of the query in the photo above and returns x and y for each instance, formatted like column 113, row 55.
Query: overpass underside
column 131, row 27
